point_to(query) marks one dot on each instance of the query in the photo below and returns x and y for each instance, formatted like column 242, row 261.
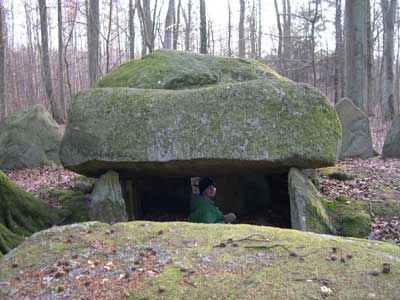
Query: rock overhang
column 255, row 126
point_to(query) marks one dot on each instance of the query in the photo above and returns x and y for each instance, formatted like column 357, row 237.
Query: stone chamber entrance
column 255, row 199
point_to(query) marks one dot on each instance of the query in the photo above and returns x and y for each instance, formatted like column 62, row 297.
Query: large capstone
column 247, row 120
column 28, row 139
column 356, row 140
column 391, row 148
column 306, row 209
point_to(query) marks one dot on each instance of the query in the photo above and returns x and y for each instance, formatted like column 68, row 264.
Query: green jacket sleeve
column 204, row 211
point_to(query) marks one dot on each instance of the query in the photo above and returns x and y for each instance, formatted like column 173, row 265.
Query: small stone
column 349, row 256
column 184, row 270
column 161, row 232
column 161, row 289
column 126, row 275
column 59, row 274
column 87, row 283
column 14, row 265
column 75, row 256
column 112, row 231
column 333, row 249
column 325, row 291
column 374, row 273
column 371, row 296
column 342, row 259
column 89, row 231
column 333, row 257
column 386, row 268
column 60, row 289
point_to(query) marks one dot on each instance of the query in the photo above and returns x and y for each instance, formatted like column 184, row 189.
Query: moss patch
column 349, row 216
column 253, row 269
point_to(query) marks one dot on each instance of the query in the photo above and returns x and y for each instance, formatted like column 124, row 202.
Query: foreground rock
column 21, row 214
column 356, row 140
column 146, row 260
column 107, row 204
column 391, row 148
column 306, row 209
column 256, row 123
column 29, row 139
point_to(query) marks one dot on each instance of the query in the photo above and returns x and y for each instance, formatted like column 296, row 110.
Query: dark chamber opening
column 255, row 199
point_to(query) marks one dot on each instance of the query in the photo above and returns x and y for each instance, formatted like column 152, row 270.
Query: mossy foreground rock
column 28, row 139
column 391, row 148
column 228, row 127
column 21, row 214
column 149, row 260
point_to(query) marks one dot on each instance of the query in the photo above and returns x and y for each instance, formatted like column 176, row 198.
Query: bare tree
column 280, row 35
column 169, row 25
column 60, row 61
column 389, row 14
column 338, row 50
column 148, row 27
column 177, row 26
column 259, row 30
column 355, row 45
column 132, row 10
column 3, row 109
column 108, row 38
column 203, row 27
column 56, row 109
column 229, row 28
column 242, row 41
column 93, row 27
column 188, row 24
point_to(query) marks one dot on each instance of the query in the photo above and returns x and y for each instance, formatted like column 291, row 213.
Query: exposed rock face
column 29, row 139
column 306, row 209
column 107, row 204
column 391, row 147
column 356, row 140
column 228, row 127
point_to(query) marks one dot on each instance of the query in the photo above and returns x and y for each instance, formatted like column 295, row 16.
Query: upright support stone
column 108, row 204
column 391, row 148
column 306, row 209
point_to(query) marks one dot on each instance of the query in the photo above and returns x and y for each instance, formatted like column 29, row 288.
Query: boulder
column 391, row 147
column 107, row 203
column 306, row 209
column 21, row 214
column 356, row 140
column 29, row 139
column 254, row 123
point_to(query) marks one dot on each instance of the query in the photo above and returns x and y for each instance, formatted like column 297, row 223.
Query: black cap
column 204, row 183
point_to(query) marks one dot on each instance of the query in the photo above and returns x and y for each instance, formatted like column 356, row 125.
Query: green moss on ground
column 23, row 214
column 71, row 200
column 349, row 216
column 244, row 271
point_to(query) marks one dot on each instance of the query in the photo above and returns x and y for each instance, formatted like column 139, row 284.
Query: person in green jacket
column 203, row 208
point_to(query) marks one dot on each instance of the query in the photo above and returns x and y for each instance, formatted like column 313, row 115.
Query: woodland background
column 51, row 48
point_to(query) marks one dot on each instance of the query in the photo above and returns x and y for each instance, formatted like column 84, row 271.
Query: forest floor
column 376, row 180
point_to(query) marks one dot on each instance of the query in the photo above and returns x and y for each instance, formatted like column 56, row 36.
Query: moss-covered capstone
column 29, row 139
column 21, row 214
column 306, row 209
column 356, row 140
column 228, row 127
column 391, row 148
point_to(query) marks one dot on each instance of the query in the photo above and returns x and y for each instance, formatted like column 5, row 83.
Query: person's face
column 210, row 191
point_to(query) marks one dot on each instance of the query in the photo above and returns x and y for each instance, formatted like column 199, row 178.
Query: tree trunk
column 188, row 24
column 242, row 41
column 229, row 29
column 278, row 23
column 177, row 26
column 147, row 25
column 253, row 50
column 61, row 100
column 338, row 50
column 132, row 10
column 370, row 60
column 355, row 45
column 389, row 14
column 93, row 28
column 108, row 39
column 259, row 31
column 169, row 25
column 2, row 64
column 203, row 27
column 54, row 104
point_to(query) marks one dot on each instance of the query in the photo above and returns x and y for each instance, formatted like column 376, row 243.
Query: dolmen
column 391, row 147
column 175, row 115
